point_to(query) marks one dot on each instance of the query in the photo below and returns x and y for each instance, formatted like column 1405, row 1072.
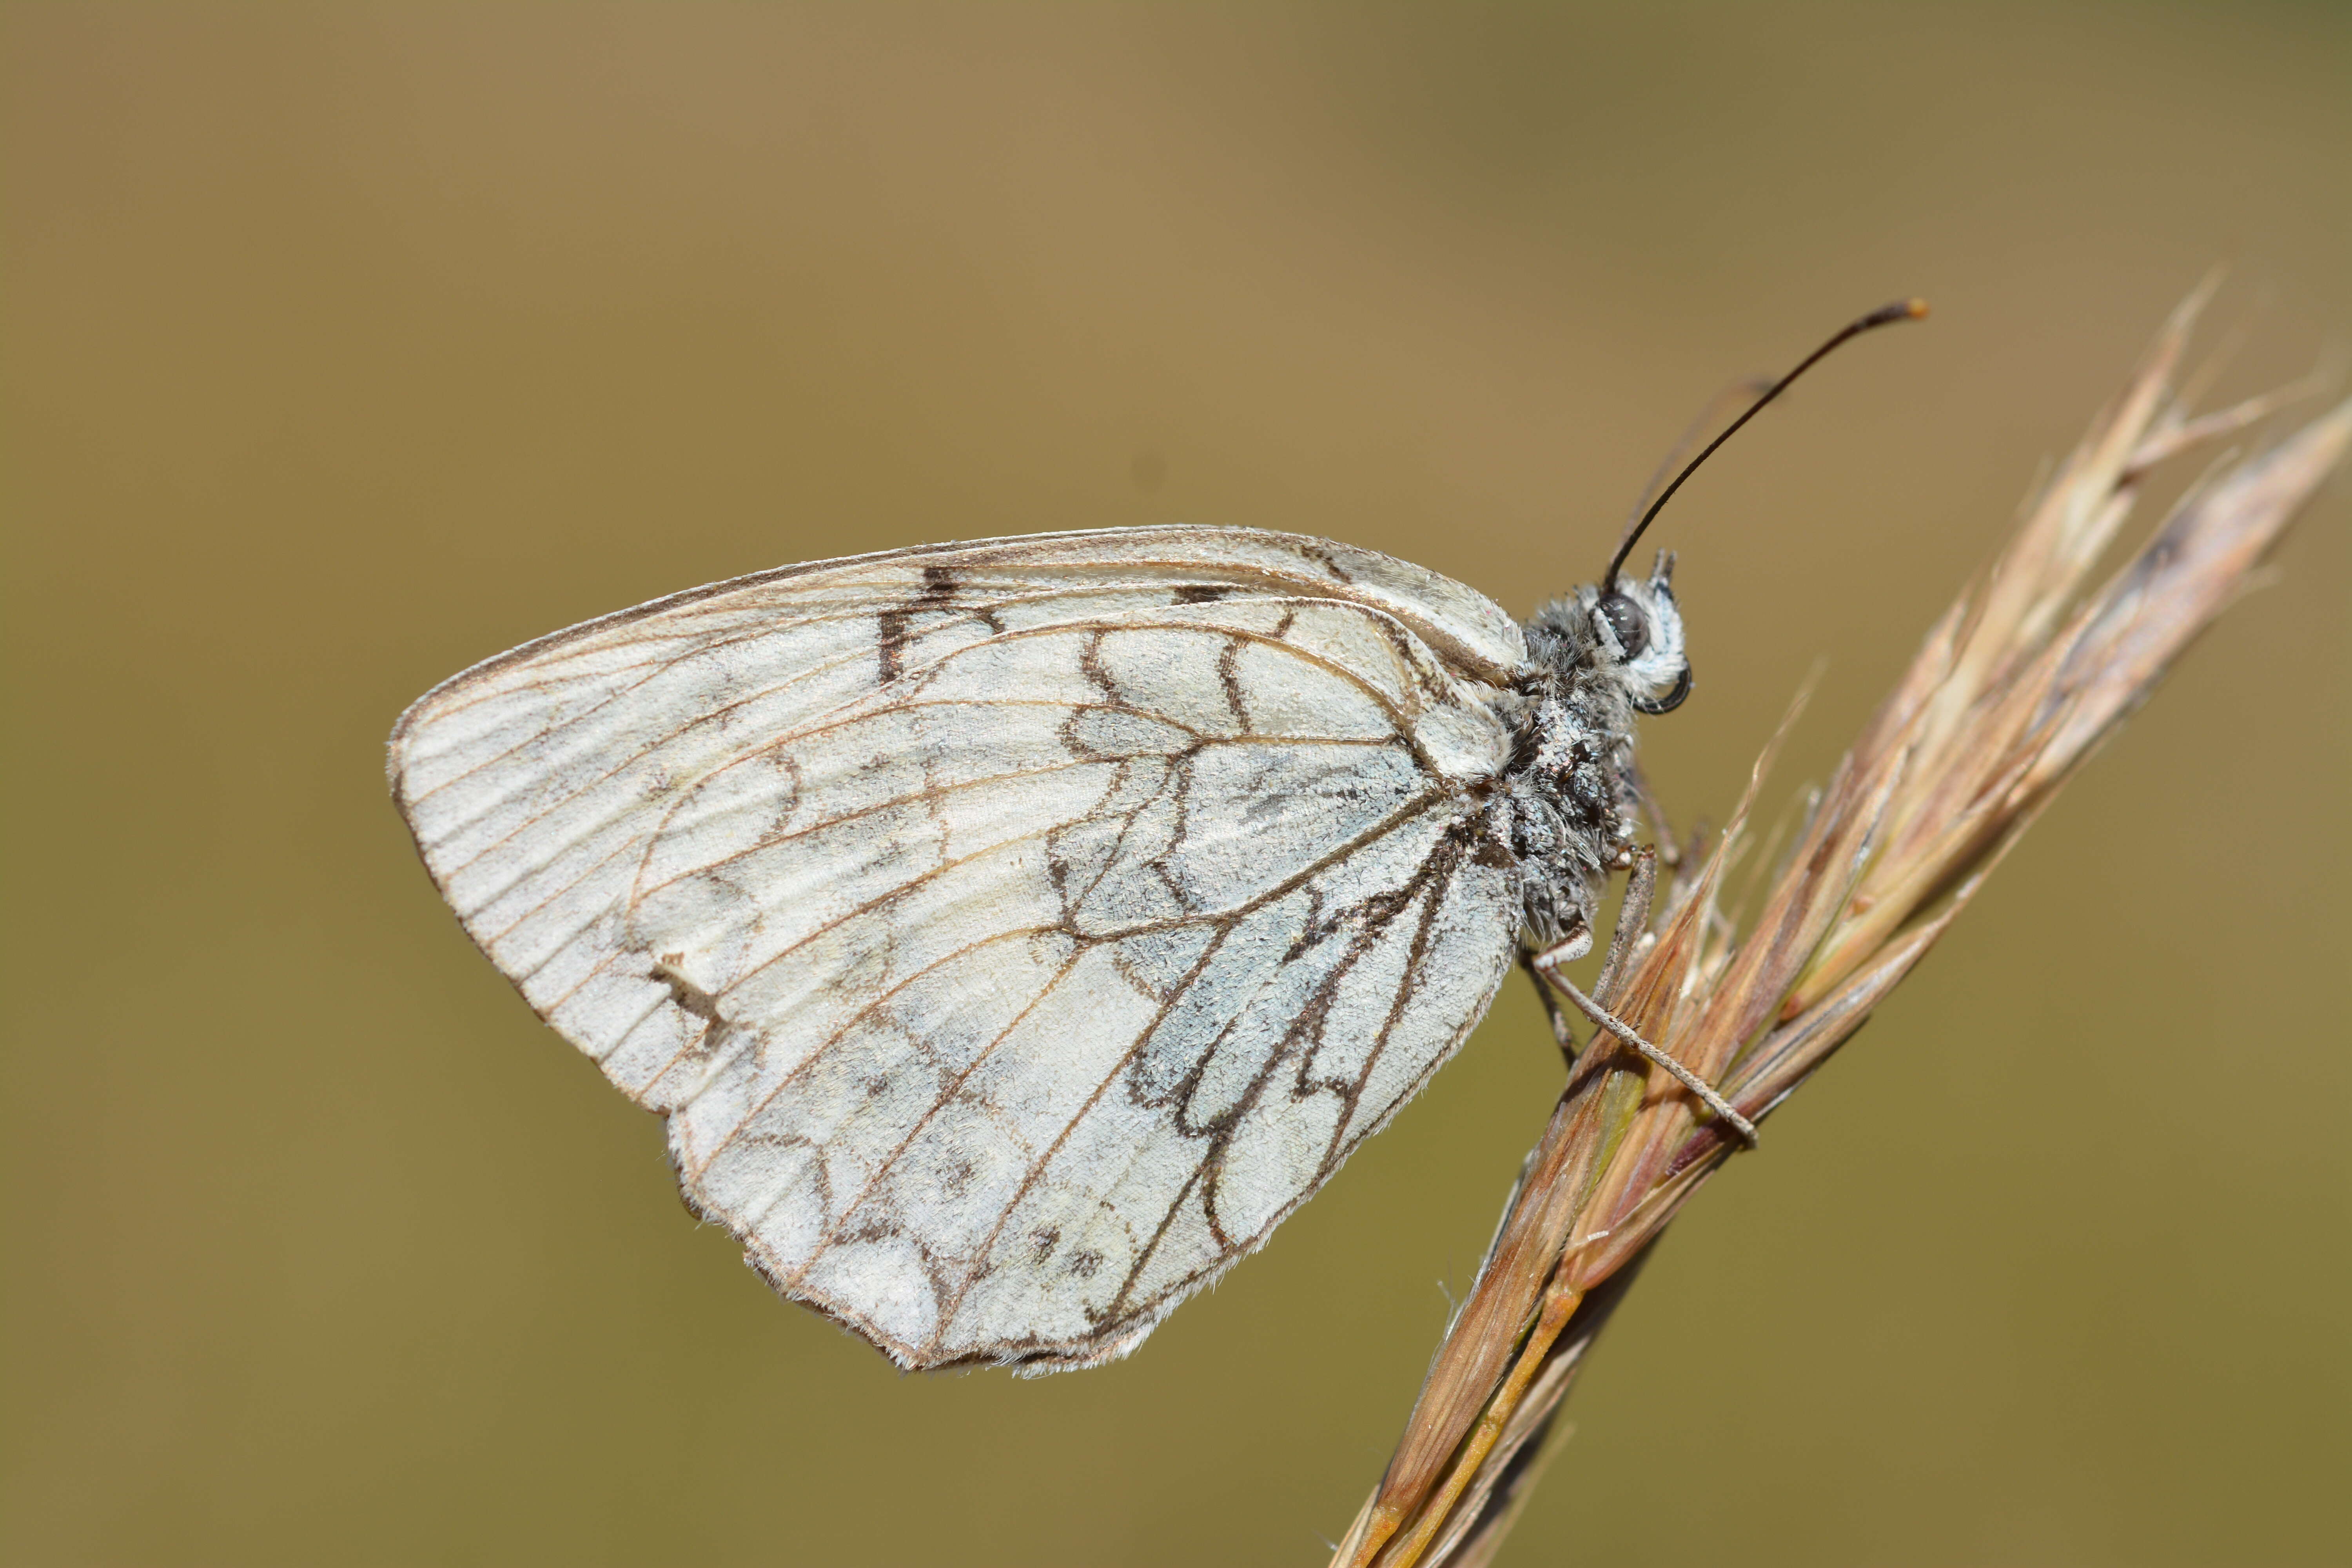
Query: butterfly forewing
column 1012, row 932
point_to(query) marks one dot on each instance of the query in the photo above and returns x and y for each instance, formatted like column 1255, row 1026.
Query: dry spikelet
column 2011, row 690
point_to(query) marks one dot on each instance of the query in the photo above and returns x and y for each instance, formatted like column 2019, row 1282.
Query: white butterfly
column 1015, row 932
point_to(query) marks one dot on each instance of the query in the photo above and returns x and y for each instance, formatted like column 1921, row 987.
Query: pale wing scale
column 1012, row 932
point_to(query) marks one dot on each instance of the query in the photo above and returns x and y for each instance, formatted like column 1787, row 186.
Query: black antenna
column 1885, row 315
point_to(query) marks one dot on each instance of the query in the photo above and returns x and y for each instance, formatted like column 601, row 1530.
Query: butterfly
column 1015, row 932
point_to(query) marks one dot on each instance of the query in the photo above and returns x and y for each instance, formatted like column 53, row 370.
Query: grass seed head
column 2011, row 691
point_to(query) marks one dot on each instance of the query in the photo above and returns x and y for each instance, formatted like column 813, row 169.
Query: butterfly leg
column 1632, row 920
column 1546, row 964
column 1561, row 1030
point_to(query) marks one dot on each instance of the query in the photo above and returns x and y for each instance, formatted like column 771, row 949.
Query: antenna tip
column 1901, row 311
column 1915, row 308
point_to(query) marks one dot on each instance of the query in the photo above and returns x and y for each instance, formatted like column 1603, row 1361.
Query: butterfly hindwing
column 1012, row 933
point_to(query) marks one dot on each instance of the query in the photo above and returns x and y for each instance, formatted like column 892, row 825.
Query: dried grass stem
column 2011, row 690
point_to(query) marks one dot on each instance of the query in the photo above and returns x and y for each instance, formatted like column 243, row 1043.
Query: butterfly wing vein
column 1013, row 934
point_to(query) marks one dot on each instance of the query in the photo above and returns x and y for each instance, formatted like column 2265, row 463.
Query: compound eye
column 1625, row 618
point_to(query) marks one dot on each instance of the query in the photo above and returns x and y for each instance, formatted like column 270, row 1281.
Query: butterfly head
column 1638, row 634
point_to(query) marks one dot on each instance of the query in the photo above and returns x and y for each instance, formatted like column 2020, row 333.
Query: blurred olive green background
column 345, row 347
